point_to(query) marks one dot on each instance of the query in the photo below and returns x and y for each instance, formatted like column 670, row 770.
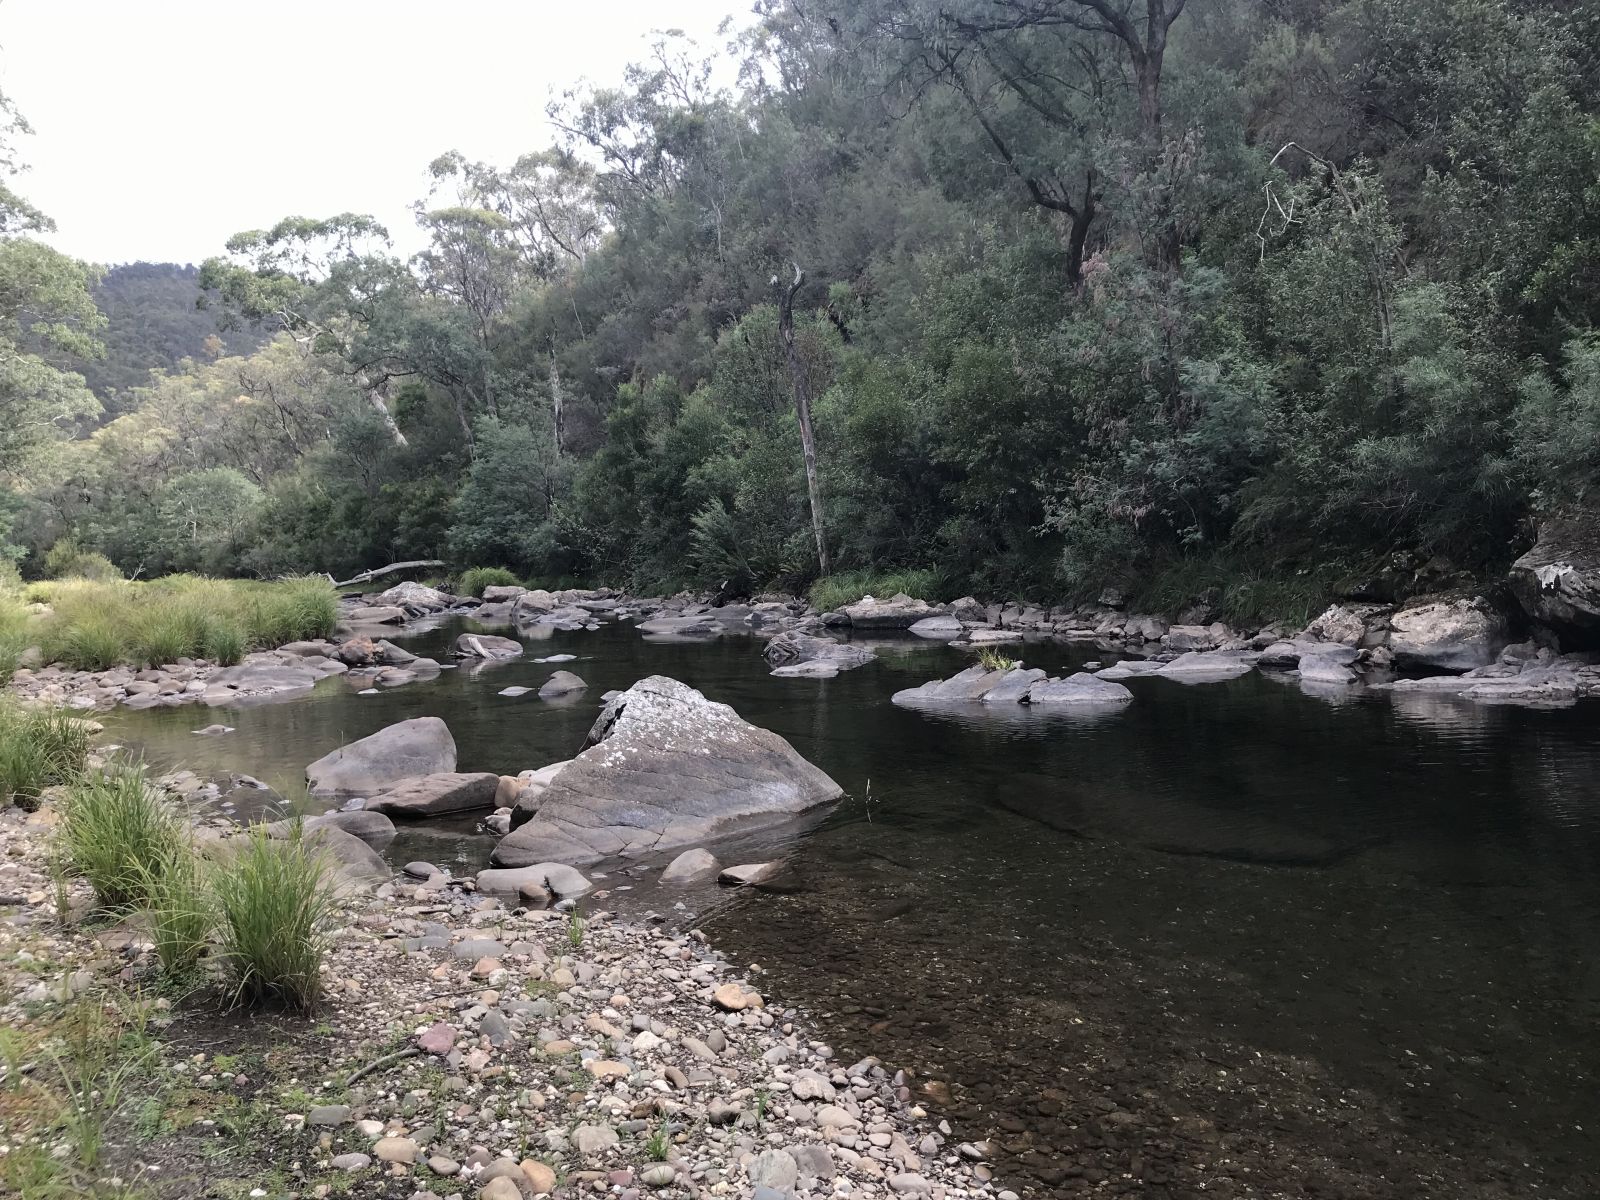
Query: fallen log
column 378, row 572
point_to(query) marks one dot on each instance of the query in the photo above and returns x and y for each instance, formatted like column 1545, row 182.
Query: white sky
column 163, row 126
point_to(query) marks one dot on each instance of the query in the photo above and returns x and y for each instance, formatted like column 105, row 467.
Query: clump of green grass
column 15, row 634
column 293, row 610
column 118, row 833
column 475, row 579
column 275, row 897
column 833, row 592
column 94, row 626
column 39, row 747
column 994, row 660
column 182, row 909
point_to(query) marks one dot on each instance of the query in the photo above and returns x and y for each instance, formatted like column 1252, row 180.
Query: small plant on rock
column 993, row 660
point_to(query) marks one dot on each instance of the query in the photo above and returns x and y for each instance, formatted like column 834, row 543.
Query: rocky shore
column 468, row 1047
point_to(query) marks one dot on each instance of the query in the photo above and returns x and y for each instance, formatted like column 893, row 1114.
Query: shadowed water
column 1233, row 939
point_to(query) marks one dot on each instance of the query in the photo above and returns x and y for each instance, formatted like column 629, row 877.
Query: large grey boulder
column 438, row 794
column 1014, row 686
column 1325, row 668
column 420, row 746
column 1194, row 637
column 1082, row 688
column 416, row 598
column 793, row 649
column 484, row 645
column 941, row 629
column 1453, row 635
column 1557, row 582
column 898, row 612
column 664, row 767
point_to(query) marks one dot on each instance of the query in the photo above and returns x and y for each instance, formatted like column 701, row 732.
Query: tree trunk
column 802, row 407
column 557, row 413
column 375, row 398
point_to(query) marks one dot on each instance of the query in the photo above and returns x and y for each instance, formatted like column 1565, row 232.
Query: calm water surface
column 1235, row 939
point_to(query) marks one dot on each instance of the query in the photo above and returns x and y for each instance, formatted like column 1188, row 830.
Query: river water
column 1233, row 939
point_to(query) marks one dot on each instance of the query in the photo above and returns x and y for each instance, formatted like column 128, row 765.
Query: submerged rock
column 1206, row 666
column 664, row 767
column 558, row 879
column 420, row 746
column 946, row 628
column 259, row 682
column 1015, row 685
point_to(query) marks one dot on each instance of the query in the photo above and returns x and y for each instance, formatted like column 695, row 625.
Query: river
column 1233, row 939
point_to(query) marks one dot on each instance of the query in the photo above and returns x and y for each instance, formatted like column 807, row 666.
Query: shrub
column 833, row 592
column 182, row 909
column 68, row 560
column 119, row 834
column 275, row 898
column 475, row 579
column 39, row 747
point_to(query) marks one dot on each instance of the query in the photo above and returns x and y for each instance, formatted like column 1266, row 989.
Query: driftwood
column 376, row 572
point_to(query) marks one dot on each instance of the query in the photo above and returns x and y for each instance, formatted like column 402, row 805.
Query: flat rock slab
column 260, row 683
column 373, row 764
column 438, row 794
column 664, row 767
column 747, row 873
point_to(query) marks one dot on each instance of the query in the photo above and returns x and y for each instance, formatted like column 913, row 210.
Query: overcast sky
column 162, row 127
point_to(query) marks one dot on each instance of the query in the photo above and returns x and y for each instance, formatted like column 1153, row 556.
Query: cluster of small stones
column 182, row 682
column 541, row 1056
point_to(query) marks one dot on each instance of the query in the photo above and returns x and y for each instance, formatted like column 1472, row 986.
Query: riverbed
column 1232, row 939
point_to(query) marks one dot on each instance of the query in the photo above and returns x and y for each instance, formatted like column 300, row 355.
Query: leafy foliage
column 1314, row 284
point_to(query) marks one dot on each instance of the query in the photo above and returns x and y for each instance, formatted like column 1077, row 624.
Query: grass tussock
column 833, row 592
column 16, row 630
column 475, row 579
column 120, row 834
column 182, row 909
column 274, row 899
column 39, row 748
column 96, row 625
column 995, row 660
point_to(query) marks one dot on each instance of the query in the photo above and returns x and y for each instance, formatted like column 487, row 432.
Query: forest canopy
column 1091, row 292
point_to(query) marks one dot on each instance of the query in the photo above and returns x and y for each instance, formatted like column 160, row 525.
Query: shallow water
column 1233, row 939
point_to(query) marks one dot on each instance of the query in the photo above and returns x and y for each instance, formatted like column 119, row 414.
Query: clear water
column 1357, row 936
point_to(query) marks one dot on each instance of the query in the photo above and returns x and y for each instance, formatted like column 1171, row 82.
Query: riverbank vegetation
column 1262, row 295
column 94, row 625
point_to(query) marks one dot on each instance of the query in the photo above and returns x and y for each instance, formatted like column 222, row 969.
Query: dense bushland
column 1294, row 291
